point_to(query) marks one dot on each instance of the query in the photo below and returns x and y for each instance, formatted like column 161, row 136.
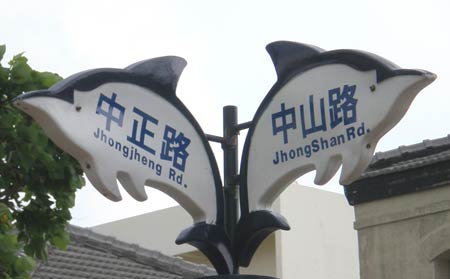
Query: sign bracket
column 229, row 142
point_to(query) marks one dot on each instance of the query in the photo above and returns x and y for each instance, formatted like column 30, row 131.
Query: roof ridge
column 407, row 164
column 407, row 152
column 137, row 253
column 407, row 169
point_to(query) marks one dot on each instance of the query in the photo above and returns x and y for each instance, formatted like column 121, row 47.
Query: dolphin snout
column 422, row 74
column 23, row 101
column 32, row 94
column 429, row 75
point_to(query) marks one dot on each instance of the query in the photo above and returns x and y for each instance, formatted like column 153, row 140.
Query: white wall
column 321, row 244
column 155, row 230
column 406, row 236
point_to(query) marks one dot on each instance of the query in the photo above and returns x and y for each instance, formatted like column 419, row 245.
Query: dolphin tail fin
column 134, row 186
column 326, row 170
column 104, row 181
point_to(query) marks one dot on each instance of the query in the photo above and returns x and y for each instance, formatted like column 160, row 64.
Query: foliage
column 37, row 180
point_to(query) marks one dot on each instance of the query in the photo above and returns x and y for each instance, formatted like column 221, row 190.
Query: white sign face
column 125, row 131
column 330, row 114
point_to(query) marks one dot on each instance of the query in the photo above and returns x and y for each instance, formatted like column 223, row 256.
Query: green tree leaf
column 61, row 241
column 20, row 72
column 48, row 79
column 2, row 51
column 37, row 180
column 24, row 264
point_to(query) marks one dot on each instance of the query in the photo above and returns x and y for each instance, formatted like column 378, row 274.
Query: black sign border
column 292, row 59
column 160, row 75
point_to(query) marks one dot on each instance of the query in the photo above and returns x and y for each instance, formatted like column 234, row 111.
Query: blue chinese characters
column 342, row 105
column 335, row 110
column 109, row 113
column 172, row 147
column 341, row 108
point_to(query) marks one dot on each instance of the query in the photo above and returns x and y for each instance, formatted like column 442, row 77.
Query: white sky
column 224, row 44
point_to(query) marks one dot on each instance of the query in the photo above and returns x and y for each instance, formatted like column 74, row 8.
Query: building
column 401, row 206
column 92, row 255
column 402, row 210
column 321, row 244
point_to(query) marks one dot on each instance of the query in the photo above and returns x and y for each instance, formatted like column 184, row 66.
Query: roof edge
column 134, row 252
column 406, row 169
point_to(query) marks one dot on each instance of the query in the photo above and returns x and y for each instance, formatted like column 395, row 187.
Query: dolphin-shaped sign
column 129, row 124
column 327, row 109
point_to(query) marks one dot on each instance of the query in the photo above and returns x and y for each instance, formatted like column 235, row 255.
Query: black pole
column 230, row 169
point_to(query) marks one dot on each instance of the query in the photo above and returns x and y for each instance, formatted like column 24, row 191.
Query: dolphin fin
column 133, row 186
column 166, row 70
column 286, row 56
column 253, row 229
column 326, row 171
column 353, row 166
column 213, row 242
column 104, row 181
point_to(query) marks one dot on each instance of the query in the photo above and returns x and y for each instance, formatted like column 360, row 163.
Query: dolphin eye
column 19, row 104
column 78, row 108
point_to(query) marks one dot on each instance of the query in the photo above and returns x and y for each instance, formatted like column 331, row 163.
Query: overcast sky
column 224, row 44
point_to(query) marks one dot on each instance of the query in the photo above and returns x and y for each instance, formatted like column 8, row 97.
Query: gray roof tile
column 94, row 256
column 409, row 157
column 404, row 170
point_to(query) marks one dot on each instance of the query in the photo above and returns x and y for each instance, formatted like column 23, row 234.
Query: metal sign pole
column 230, row 168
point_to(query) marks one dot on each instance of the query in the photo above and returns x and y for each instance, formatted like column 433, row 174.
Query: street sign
column 327, row 109
column 128, row 124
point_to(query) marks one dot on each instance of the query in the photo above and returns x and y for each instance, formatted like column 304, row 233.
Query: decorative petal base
column 213, row 242
column 253, row 229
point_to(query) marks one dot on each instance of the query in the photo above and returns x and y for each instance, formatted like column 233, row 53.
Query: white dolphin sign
column 326, row 109
column 128, row 124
